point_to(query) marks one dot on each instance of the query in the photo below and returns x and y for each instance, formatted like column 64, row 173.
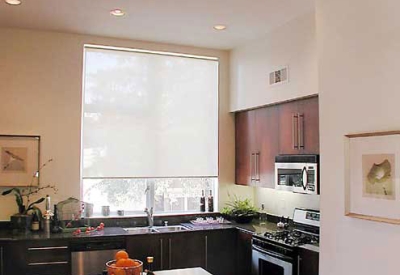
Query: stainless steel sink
column 171, row 228
column 139, row 230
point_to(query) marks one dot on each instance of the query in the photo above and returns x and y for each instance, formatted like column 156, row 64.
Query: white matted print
column 372, row 180
column 19, row 160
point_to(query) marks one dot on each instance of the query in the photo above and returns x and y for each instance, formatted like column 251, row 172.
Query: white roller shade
column 149, row 115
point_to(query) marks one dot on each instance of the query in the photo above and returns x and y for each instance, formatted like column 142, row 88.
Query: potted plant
column 242, row 211
column 22, row 219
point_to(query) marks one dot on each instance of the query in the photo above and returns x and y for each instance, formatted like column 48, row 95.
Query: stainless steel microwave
column 297, row 173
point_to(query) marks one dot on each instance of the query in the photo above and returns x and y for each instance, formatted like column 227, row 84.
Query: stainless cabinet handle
column 298, row 264
column 252, row 167
column 295, row 126
column 161, row 257
column 206, row 252
column 47, row 248
column 47, row 263
column 1, row 261
column 170, row 253
column 301, row 131
column 257, row 166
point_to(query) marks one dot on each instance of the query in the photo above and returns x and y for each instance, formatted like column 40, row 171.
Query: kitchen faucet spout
column 150, row 218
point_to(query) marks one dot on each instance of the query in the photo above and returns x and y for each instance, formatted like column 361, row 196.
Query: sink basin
column 171, row 228
column 139, row 230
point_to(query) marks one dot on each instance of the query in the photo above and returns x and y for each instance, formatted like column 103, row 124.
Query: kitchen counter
column 252, row 228
column 185, row 271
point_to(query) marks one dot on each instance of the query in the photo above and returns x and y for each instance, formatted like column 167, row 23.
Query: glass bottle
column 210, row 202
column 35, row 222
column 202, row 202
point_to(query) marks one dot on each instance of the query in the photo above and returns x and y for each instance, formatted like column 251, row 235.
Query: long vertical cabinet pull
column 161, row 255
column 1, row 261
column 298, row 264
column 295, row 131
column 257, row 169
column 206, row 250
column 251, row 168
column 301, row 131
column 170, row 253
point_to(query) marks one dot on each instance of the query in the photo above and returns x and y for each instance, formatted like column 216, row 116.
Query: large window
column 150, row 129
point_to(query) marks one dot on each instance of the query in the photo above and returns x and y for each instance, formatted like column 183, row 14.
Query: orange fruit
column 130, row 263
column 122, row 254
column 121, row 263
column 119, row 271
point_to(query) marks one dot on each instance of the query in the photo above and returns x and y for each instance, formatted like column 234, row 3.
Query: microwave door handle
column 304, row 178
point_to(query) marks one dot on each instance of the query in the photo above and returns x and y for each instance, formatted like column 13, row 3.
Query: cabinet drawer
column 49, row 269
column 47, row 254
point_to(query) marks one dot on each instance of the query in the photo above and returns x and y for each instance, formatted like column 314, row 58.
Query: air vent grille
column 279, row 76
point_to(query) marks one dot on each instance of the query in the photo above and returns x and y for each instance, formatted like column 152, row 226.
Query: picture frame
column 372, row 171
column 19, row 160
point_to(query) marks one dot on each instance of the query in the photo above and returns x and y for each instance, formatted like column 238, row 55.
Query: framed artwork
column 19, row 160
column 372, row 176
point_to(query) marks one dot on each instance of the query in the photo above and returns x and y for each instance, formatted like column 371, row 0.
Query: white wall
column 40, row 88
column 359, row 65
column 292, row 44
column 283, row 203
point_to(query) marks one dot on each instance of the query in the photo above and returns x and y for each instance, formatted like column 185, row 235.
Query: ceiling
column 187, row 22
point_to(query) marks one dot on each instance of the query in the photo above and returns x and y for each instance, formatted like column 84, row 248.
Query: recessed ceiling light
column 220, row 27
column 13, row 2
column 117, row 12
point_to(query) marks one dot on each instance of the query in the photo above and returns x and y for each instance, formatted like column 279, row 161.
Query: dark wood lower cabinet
column 221, row 252
column 308, row 262
column 142, row 246
column 243, row 253
column 213, row 250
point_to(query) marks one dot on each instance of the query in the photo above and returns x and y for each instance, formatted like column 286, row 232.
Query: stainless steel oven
column 276, row 252
column 266, row 261
column 297, row 173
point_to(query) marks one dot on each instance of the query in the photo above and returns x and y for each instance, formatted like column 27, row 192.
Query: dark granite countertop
column 252, row 228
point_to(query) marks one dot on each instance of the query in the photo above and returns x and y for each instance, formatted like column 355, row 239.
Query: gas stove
column 293, row 237
column 276, row 252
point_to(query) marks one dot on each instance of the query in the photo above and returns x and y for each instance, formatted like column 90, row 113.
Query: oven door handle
column 272, row 254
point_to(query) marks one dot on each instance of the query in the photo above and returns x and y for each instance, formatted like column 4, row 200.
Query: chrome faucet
column 150, row 218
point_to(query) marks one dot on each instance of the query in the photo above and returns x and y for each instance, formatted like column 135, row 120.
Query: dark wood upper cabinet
column 267, row 140
column 299, row 127
column 261, row 134
column 244, row 146
column 256, row 146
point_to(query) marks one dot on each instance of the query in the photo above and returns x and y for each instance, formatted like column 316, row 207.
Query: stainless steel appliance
column 275, row 253
column 89, row 258
column 297, row 173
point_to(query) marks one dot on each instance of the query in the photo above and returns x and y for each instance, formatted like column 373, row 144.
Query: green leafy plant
column 237, row 207
column 23, row 195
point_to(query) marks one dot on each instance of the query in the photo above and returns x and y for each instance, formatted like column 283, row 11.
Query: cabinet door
column 309, row 126
column 186, row 250
column 221, row 252
column 142, row 246
column 244, row 147
column 243, row 253
column 299, row 127
column 308, row 262
column 267, row 142
column 13, row 260
column 288, row 128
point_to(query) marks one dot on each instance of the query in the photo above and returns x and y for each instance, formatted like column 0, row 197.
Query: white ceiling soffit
column 186, row 22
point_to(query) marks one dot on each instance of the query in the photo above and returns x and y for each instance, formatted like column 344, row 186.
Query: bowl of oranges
column 123, row 265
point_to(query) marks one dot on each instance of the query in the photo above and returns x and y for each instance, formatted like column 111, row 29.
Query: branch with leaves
column 22, row 195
